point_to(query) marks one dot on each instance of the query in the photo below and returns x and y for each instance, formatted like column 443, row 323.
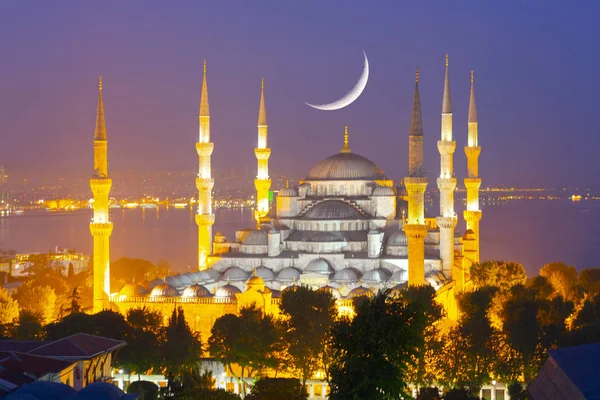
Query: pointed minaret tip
column 346, row 148
column 447, row 102
column 262, row 110
column 417, row 75
column 100, row 132
column 416, row 120
column 472, row 108
column 204, row 108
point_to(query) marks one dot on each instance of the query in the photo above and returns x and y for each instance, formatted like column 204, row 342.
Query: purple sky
column 537, row 65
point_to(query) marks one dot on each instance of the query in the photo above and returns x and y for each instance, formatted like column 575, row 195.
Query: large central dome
column 348, row 166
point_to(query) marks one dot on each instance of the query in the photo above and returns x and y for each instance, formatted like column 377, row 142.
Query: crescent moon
column 352, row 95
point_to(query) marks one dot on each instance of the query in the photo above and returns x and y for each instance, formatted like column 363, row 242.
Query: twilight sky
column 536, row 63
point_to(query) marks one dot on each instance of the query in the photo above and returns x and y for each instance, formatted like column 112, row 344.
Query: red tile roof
column 78, row 346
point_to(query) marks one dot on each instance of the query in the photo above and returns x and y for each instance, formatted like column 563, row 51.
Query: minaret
column 262, row 152
column 101, row 227
column 204, row 182
column 447, row 183
column 472, row 182
column 416, row 183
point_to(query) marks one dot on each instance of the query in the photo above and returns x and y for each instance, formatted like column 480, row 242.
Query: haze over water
column 532, row 232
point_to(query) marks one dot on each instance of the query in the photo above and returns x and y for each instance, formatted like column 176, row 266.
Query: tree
column 374, row 348
column 75, row 299
column 308, row 317
column 145, row 390
column 562, row 277
column 589, row 281
column 9, row 308
column 501, row 274
column 422, row 369
column 278, row 389
column 37, row 300
column 250, row 340
column 181, row 347
column 28, row 327
column 142, row 352
column 106, row 323
column 70, row 272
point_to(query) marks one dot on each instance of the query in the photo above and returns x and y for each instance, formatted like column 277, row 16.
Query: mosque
column 345, row 227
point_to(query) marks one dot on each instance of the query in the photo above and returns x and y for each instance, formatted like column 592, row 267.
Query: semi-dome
column 256, row 238
column 346, row 275
column 213, row 273
column 348, row 166
column 196, row 291
column 133, row 290
column 164, row 290
column 288, row 274
column 376, row 275
column 320, row 266
column 227, row 291
column 360, row 291
column 265, row 273
column 381, row 191
column 333, row 209
column 398, row 239
column 234, row 274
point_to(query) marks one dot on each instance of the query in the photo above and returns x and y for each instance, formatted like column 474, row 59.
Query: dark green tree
column 278, row 389
column 375, row 348
column 181, row 348
column 142, row 353
column 250, row 340
column 70, row 272
column 308, row 318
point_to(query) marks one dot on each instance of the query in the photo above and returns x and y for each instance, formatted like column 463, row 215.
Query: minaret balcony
column 447, row 222
column 472, row 183
column 205, row 219
column 204, row 149
column 100, row 186
column 446, row 146
column 101, row 228
column 262, row 154
column 446, row 184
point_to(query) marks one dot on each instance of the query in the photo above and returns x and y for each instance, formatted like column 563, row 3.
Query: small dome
column 164, row 290
column 265, row 273
column 336, row 293
column 346, row 166
column 376, row 275
column 133, row 290
column 256, row 238
column 100, row 391
column 180, row 280
column 332, row 209
column 196, row 291
column 320, row 266
column 234, row 274
column 381, row 191
column 360, row 291
column 287, row 192
column 399, row 287
column 346, row 275
column 399, row 275
column 398, row 239
column 202, row 276
column 227, row 291
column 469, row 235
column 256, row 282
column 154, row 282
column 288, row 274
column 212, row 273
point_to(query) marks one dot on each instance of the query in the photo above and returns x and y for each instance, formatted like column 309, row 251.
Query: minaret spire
column 473, row 182
column 204, row 181
column 447, row 182
column 101, row 227
column 416, row 184
column 262, row 183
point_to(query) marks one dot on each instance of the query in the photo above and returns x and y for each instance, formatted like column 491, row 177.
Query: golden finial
column 255, row 272
column 204, row 67
column 287, row 183
column 346, row 148
column 446, row 59
column 100, row 83
column 417, row 75
column 262, row 84
column 472, row 76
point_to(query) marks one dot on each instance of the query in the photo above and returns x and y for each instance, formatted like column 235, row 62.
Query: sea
column 531, row 232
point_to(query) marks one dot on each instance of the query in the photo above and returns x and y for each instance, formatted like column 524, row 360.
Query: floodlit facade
column 346, row 227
